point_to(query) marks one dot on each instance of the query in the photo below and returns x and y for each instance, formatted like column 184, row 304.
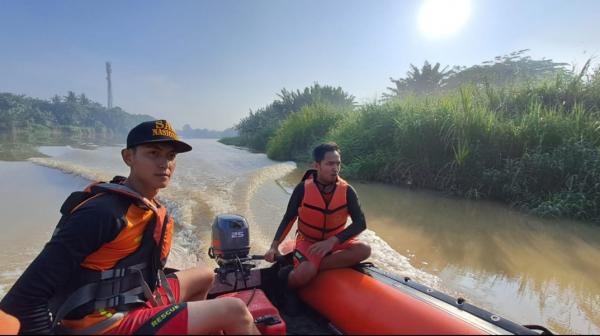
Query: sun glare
column 443, row 18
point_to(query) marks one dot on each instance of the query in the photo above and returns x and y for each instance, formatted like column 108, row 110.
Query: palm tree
column 71, row 97
column 83, row 99
column 56, row 99
column 419, row 81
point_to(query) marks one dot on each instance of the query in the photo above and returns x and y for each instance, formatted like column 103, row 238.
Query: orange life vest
column 108, row 281
column 318, row 220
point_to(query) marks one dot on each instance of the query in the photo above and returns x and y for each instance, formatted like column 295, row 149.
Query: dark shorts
column 161, row 320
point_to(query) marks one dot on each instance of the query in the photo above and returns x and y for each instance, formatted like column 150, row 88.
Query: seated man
column 102, row 270
column 322, row 203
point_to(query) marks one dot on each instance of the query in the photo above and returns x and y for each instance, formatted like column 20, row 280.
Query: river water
column 529, row 270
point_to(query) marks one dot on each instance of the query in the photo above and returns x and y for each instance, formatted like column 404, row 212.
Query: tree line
column 203, row 133
column 72, row 113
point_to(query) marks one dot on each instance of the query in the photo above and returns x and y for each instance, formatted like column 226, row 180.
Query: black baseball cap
column 156, row 131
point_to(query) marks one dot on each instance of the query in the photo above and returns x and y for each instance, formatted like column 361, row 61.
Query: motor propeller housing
column 230, row 239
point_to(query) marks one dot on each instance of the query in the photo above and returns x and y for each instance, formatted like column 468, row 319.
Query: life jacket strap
column 162, row 278
column 105, row 290
column 324, row 211
column 147, row 292
column 115, row 273
column 80, row 297
column 129, row 297
column 87, row 294
column 94, row 329
column 323, row 230
column 307, row 236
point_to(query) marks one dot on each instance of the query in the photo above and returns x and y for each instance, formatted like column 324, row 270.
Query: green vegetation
column 259, row 127
column 512, row 69
column 533, row 143
column 232, row 141
column 301, row 131
column 18, row 151
column 542, row 157
column 72, row 115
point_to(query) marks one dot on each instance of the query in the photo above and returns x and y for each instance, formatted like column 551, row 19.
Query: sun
column 443, row 18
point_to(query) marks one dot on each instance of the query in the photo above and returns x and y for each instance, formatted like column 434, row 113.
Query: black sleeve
column 73, row 240
column 291, row 213
column 359, row 223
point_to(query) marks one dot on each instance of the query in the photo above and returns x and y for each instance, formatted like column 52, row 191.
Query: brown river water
column 527, row 269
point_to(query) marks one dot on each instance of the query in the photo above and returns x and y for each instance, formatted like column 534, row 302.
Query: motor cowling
column 230, row 238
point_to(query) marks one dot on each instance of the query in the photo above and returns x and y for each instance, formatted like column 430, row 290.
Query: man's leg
column 353, row 254
column 195, row 283
column 228, row 315
column 302, row 274
column 306, row 265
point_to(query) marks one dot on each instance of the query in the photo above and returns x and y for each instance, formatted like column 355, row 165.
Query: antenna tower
column 109, row 103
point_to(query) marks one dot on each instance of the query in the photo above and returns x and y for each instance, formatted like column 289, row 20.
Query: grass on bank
column 538, row 156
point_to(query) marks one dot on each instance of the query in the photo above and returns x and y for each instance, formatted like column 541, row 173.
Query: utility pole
column 109, row 103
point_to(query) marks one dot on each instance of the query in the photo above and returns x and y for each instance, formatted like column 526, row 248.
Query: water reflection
column 502, row 259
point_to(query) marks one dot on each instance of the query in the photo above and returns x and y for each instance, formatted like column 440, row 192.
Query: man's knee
column 236, row 310
column 228, row 315
column 363, row 251
column 207, row 276
column 302, row 275
column 194, row 282
column 203, row 277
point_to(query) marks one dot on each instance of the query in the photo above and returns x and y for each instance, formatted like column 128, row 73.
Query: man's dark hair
column 320, row 151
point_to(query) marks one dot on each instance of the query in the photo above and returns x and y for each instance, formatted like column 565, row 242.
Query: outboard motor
column 230, row 248
column 230, row 239
column 235, row 275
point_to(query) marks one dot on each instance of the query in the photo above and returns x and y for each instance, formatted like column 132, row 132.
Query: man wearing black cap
column 102, row 270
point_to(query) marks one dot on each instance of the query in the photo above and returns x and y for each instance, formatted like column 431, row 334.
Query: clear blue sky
column 207, row 63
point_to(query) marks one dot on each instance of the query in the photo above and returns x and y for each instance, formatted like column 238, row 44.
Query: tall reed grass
column 303, row 130
column 535, row 147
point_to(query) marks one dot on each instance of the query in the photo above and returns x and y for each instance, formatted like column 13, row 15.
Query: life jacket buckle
column 113, row 273
column 114, row 301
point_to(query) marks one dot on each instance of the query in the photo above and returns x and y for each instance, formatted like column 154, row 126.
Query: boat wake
column 386, row 258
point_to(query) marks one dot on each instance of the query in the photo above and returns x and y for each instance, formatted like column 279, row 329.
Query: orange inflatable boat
column 364, row 300
column 359, row 300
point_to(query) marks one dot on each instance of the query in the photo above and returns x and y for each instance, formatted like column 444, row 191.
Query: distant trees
column 83, row 99
column 71, row 97
column 504, row 70
column 55, row 99
column 189, row 132
column 22, row 113
column 256, row 129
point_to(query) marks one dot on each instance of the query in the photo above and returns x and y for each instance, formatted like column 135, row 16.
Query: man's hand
column 271, row 254
column 323, row 247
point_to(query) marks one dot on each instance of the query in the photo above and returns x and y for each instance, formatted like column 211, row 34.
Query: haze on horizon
column 207, row 63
